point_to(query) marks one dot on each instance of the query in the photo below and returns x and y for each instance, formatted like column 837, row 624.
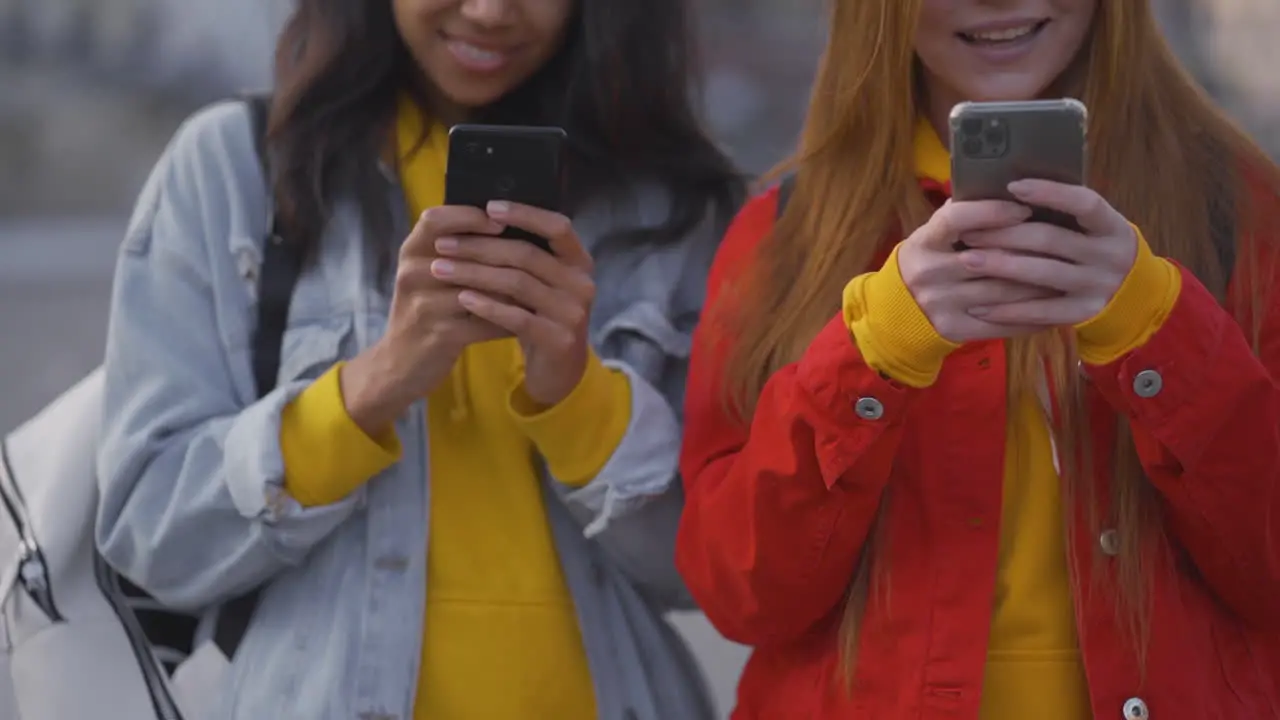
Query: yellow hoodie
column 501, row 638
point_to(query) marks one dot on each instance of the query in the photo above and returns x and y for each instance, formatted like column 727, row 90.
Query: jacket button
column 1136, row 709
column 1110, row 542
column 869, row 408
column 392, row 563
column 1147, row 384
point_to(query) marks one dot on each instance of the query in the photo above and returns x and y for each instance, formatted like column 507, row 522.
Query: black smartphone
column 995, row 143
column 520, row 164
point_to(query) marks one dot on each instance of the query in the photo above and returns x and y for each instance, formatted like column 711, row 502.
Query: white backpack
column 76, row 640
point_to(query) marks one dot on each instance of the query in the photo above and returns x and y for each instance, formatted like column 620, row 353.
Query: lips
column 998, row 35
column 475, row 56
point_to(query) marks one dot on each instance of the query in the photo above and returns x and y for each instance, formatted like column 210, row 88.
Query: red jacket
column 776, row 515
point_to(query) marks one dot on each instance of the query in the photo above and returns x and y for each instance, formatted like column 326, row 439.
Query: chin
column 470, row 98
column 1008, row 94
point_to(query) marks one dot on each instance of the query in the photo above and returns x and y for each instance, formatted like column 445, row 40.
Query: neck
column 938, row 105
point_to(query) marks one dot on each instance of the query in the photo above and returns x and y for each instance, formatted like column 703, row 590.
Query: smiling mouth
column 1004, row 36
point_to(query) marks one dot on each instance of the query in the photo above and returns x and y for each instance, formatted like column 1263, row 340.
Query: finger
column 1034, row 239
column 1027, row 269
column 989, row 291
column 1090, row 209
column 502, row 252
column 440, row 305
column 517, row 321
column 554, row 227
column 956, row 298
column 1048, row 312
column 447, row 220
column 413, row 276
column 957, row 218
column 518, row 286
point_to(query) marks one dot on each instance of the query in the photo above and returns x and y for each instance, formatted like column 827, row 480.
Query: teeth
column 1002, row 35
column 472, row 52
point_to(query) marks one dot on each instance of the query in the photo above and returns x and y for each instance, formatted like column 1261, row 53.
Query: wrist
column 373, row 392
column 542, row 396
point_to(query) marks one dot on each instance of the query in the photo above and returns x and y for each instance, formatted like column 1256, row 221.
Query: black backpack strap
column 785, row 188
column 1222, row 228
column 282, row 264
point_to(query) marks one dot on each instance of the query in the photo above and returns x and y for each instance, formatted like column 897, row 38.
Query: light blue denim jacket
column 190, row 468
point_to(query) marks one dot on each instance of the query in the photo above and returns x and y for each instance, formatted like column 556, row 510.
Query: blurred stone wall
column 90, row 90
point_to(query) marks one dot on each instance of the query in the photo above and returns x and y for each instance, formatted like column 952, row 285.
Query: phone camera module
column 984, row 138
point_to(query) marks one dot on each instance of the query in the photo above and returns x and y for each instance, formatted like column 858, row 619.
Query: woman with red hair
column 945, row 462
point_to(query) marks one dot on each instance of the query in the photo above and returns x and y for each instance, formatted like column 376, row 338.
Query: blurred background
column 91, row 90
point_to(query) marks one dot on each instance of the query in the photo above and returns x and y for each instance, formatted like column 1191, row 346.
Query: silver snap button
column 1147, row 384
column 1110, row 542
column 1136, row 709
column 869, row 408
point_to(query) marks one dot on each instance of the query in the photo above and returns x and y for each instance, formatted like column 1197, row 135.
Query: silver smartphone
column 995, row 143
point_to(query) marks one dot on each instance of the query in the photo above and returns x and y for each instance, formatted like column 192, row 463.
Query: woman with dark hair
column 460, row 500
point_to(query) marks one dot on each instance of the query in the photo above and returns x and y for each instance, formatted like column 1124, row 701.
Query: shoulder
column 749, row 228
column 208, row 178
column 214, row 143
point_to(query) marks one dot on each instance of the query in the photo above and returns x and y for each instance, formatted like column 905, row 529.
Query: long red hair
column 1160, row 152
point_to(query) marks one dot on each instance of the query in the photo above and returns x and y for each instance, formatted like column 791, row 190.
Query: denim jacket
column 190, row 467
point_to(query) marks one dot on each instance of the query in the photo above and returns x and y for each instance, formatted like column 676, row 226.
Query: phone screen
column 519, row 164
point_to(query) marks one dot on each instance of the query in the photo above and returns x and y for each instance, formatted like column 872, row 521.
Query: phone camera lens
column 971, row 126
column 475, row 149
column 973, row 147
column 505, row 184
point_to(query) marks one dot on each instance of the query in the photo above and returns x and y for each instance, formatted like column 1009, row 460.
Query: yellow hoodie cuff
column 577, row 436
column 892, row 332
column 326, row 455
column 1137, row 310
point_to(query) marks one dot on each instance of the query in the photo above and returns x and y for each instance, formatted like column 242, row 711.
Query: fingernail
column 441, row 268
column 973, row 260
column 1020, row 187
column 466, row 298
column 979, row 311
column 498, row 208
column 446, row 244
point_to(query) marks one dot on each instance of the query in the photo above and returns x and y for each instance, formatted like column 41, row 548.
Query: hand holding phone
column 1074, row 245
column 516, row 164
column 534, row 279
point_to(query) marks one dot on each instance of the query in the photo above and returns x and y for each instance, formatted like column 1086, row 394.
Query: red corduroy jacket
column 777, row 513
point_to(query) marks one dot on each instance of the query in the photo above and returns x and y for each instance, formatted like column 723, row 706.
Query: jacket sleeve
column 633, row 505
column 190, row 470
column 777, row 510
column 1205, row 413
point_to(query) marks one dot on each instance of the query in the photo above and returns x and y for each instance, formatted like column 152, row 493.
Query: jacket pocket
column 311, row 348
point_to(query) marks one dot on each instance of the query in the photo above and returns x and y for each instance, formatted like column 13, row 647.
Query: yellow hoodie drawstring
column 461, row 405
